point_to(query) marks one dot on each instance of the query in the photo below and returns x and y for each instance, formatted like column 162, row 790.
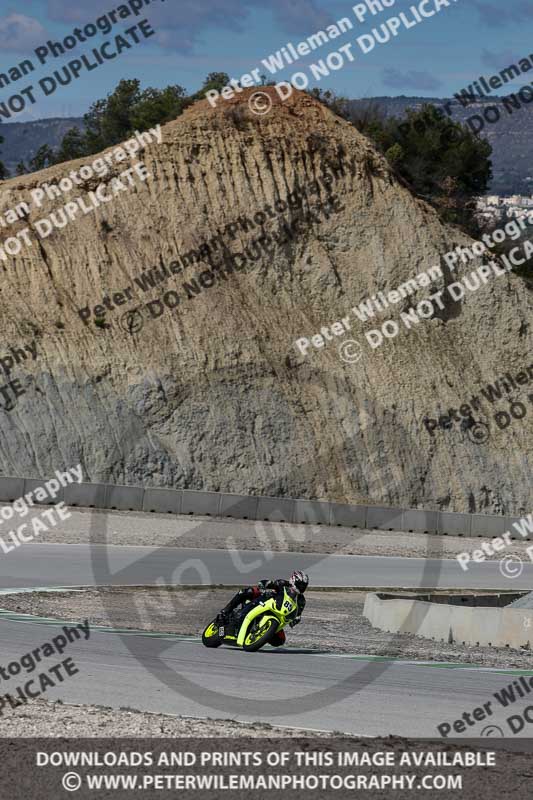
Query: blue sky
column 194, row 37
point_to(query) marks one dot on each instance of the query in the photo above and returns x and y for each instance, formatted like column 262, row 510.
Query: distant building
column 492, row 209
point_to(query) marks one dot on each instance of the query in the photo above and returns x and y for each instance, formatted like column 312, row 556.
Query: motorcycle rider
column 295, row 588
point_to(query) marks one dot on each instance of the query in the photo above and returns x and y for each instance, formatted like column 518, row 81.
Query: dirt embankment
column 251, row 233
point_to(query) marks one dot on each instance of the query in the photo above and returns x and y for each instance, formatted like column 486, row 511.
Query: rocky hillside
column 205, row 388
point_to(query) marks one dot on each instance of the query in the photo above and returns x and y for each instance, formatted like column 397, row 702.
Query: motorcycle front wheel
column 259, row 634
column 210, row 636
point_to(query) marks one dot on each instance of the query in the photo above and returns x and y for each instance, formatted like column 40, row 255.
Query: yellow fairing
column 268, row 609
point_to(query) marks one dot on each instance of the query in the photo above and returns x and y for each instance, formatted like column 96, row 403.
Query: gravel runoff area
column 55, row 719
column 158, row 530
column 332, row 621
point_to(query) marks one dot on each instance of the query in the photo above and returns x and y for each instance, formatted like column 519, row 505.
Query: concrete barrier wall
column 475, row 625
column 233, row 505
column 421, row 521
column 311, row 512
column 163, row 501
column 455, row 524
column 347, row 516
column 205, row 503
column 493, row 526
column 515, row 534
column 383, row 518
column 517, row 626
column 273, row 509
column 86, row 495
column 31, row 484
column 124, row 498
column 11, row 489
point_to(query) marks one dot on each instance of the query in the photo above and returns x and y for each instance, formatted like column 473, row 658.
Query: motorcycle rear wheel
column 210, row 636
column 256, row 639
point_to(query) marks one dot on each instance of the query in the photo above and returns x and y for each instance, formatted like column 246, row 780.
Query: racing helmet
column 299, row 581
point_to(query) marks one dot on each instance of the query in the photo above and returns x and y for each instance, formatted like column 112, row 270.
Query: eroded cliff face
column 213, row 393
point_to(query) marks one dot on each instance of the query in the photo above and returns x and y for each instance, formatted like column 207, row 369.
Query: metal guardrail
column 272, row 509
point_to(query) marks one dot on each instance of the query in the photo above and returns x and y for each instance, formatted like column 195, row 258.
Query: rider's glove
column 294, row 622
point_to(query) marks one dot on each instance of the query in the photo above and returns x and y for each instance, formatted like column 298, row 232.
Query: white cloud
column 180, row 26
column 413, row 79
column 20, row 33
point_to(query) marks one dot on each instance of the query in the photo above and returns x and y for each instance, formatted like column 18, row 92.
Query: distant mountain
column 511, row 137
column 23, row 139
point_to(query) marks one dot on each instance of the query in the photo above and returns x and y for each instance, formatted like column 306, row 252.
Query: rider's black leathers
column 263, row 590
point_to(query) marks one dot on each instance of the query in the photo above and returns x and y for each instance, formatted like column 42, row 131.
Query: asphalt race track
column 75, row 565
column 376, row 698
column 177, row 675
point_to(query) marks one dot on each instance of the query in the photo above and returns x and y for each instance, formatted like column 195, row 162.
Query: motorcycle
column 252, row 629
